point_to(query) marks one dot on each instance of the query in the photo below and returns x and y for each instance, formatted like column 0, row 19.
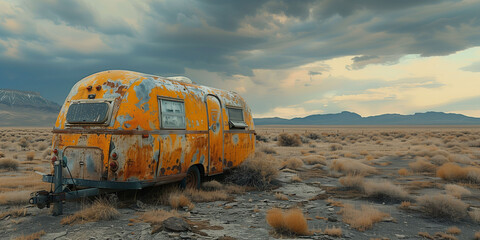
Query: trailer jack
column 60, row 194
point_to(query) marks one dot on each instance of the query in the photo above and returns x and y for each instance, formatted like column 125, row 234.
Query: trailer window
column 172, row 114
column 235, row 118
column 88, row 113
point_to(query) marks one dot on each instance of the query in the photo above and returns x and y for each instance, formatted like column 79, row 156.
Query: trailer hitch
column 44, row 198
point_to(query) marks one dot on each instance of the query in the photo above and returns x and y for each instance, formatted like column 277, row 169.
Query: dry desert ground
column 308, row 182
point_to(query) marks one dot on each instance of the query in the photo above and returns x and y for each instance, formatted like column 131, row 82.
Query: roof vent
column 180, row 79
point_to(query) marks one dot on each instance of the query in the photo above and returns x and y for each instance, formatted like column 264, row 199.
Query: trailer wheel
column 192, row 180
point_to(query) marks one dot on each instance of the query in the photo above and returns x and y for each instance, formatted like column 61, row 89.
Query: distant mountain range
column 22, row 108
column 350, row 118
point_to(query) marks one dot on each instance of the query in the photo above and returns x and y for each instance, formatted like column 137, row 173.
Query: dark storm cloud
column 230, row 37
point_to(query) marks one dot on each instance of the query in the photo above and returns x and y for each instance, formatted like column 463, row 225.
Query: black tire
column 192, row 180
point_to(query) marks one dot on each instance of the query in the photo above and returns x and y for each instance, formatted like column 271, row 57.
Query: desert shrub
column 312, row 135
column 2, row 154
column 335, row 147
column 454, row 230
column 333, row 231
column 261, row 138
column 258, row 171
column 156, row 218
column 14, row 197
column 353, row 167
column 460, row 159
column 352, row 181
column 314, row 159
column 421, row 165
column 444, row 236
column 292, row 163
column 403, row 172
column 33, row 236
column 439, row 159
column 287, row 140
column 268, row 150
column 362, row 218
column 457, row 191
column 475, row 215
column 8, row 164
column 442, row 206
column 177, row 200
column 384, row 191
column 101, row 209
column 30, row 155
column 24, row 143
column 290, row 222
column 454, row 172
column 42, row 146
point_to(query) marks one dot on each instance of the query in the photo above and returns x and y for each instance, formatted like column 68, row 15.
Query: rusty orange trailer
column 129, row 130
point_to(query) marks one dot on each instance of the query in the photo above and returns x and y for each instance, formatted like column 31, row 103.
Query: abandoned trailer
column 128, row 130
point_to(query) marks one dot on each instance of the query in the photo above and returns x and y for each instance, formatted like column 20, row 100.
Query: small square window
column 235, row 118
column 172, row 114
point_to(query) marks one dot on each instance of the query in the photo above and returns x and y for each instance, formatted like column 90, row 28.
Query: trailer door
column 215, row 135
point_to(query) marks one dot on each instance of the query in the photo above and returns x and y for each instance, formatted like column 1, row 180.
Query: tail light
column 98, row 87
column 89, row 88
column 55, row 151
column 114, row 156
column 54, row 159
column 113, row 166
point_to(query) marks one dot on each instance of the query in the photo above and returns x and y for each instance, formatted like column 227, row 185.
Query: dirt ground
column 394, row 172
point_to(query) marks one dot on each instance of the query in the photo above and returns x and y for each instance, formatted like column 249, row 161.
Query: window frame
column 109, row 112
column 234, row 123
column 160, row 112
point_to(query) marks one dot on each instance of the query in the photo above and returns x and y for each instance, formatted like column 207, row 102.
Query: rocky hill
column 350, row 118
column 22, row 108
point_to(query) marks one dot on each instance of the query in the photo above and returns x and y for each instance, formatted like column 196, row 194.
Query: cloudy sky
column 287, row 58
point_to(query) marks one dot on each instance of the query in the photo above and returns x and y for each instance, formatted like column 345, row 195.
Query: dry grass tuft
column 405, row 205
column 292, row 163
column 353, row 167
column 403, row 172
column 288, row 140
column 444, row 236
column 314, row 159
column 30, row 155
column 454, row 230
column 352, row 181
column 281, row 196
column 384, row 191
column 101, row 209
column 33, row 236
column 290, row 222
column 363, row 218
column 156, row 217
column 258, row 171
column 334, row 231
column 335, row 147
column 457, row 191
column 425, row 235
column 296, row 178
column 177, row 200
column 14, row 213
column 268, row 150
column 214, row 185
column 15, row 197
column 443, row 206
column 197, row 195
column 9, row 164
column 421, row 165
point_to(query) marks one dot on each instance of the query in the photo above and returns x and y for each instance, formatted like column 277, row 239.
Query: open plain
column 310, row 182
